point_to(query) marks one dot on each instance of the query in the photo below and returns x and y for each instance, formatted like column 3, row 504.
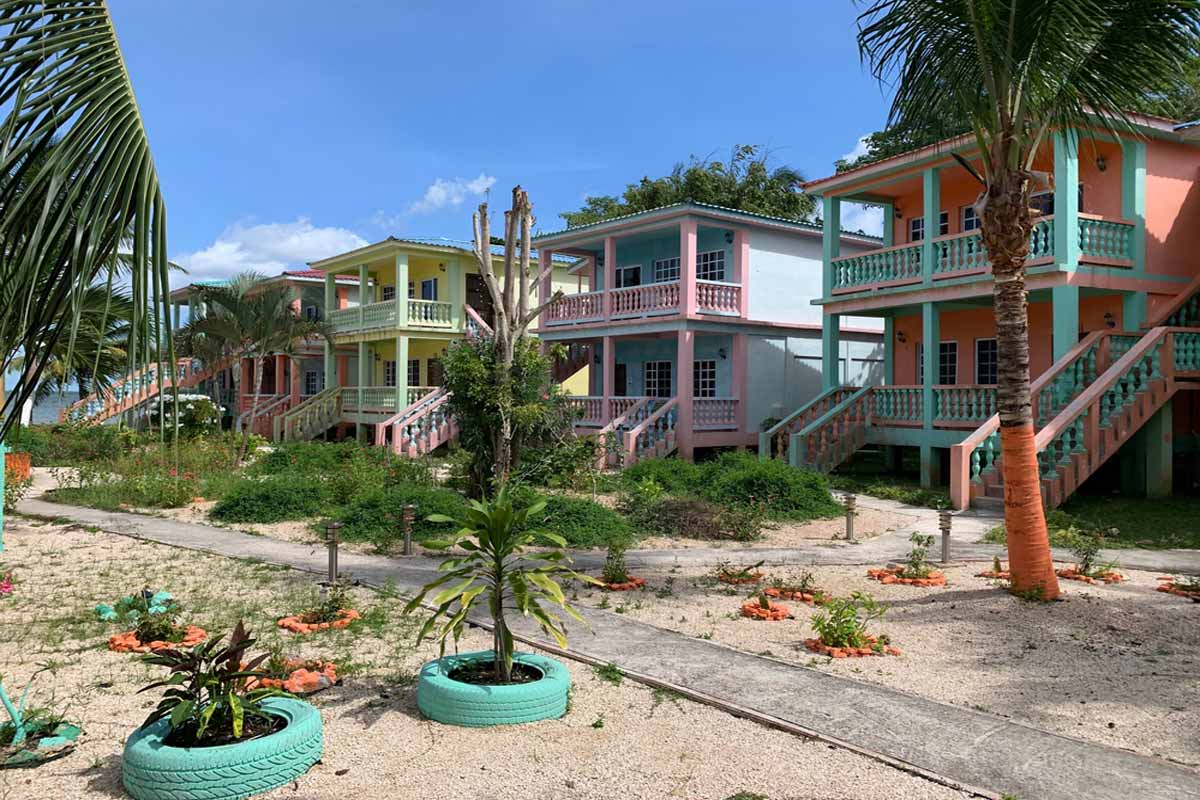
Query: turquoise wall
column 645, row 251
column 633, row 353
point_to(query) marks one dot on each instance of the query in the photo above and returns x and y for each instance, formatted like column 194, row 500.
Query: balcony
column 708, row 413
column 433, row 314
column 1101, row 242
column 649, row 300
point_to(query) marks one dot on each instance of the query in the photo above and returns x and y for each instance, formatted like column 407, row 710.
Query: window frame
column 995, row 358
column 700, row 367
column 389, row 373
column 385, row 291
column 921, row 363
column 658, row 367
column 315, row 376
column 426, row 283
column 667, row 270
column 619, row 276
column 414, row 363
column 976, row 222
column 914, row 222
column 714, row 257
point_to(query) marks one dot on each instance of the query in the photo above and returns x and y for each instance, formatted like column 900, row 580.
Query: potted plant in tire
column 217, row 733
column 497, row 686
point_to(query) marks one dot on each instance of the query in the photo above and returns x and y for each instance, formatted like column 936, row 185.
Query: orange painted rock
column 812, row 598
column 872, row 649
column 296, row 623
column 305, row 677
column 632, row 583
column 18, row 466
column 128, row 642
column 754, row 610
column 1168, row 586
column 894, row 575
column 1002, row 575
column 1073, row 574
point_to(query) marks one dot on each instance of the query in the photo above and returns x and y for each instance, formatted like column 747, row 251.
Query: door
column 436, row 375
column 479, row 299
column 620, row 381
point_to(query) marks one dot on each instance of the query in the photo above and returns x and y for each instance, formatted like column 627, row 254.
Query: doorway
column 480, row 299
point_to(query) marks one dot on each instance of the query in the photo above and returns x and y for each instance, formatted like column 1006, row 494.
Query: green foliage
column 328, row 608
column 14, row 489
column 274, row 499
column 610, row 673
column 673, row 475
column 581, row 522
column 615, row 570
column 746, row 182
column 70, row 445
column 843, row 621
column 566, row 464
column 376, row 516
column 917, row 565
column 207, row 696
column 804, row 582
column 1086, row 546
column 742, row 479
column 891, row 488
column 484, row 397
column 198, row 415
column 160, row 627
column 496, row 564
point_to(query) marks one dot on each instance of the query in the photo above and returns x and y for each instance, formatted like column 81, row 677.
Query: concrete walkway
column 956, row 745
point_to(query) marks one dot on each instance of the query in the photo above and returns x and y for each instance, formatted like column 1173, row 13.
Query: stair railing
column 631, row 418
column 392, row 424
column 830, row 439
column 300, row 423
column 779, row 435
column 655, row 435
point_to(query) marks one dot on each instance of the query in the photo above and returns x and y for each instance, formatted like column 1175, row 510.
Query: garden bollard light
column 409, row 513
column 944, row 525
column 331, row 540
column 850, row 502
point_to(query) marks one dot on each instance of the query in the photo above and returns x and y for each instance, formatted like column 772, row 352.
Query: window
column 629, row 276
column 389, row 373
column 429, row 289
column 656, row 378
column 412, row 290
column 389, row 293
column 414, row 372
column 1044, row 201
column 710, row 266
column 666, row 269
column 312, row 382
column 312, row 313
column 704, row 378
column 986, row 362
column 947, row 363
column 970, row 220
column 916, row 226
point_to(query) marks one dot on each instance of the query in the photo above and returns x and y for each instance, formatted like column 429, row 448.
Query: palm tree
column 1015, row 71
column 76, row 178
column 250, row 318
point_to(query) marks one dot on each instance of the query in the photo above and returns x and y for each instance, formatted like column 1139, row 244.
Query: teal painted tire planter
column 473, row 706
column 152, row 770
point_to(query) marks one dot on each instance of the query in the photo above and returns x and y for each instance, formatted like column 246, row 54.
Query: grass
column 610, row 673
column 1158, row 524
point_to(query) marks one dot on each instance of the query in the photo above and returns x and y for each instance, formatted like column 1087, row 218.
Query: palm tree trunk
column 258, row 376
column 1006, row 226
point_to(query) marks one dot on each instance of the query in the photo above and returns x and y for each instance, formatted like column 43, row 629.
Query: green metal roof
column 802, row 225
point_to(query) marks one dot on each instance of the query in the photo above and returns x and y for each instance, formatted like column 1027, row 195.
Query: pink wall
column 1172, row 208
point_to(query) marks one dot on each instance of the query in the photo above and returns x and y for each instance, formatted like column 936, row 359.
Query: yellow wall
column 578, row 383
column 421, row 349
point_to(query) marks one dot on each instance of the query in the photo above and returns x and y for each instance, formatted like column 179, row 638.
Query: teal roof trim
column 750, row 215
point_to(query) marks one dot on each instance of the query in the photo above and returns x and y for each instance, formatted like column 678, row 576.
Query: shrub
column 14, row 489
column 917, row 566
column 69, row 445
column 198, row 414
column 843, row 621
column 674, row 475
column 581, row 522
column 691, row 518
column 1086, row 545
column 741, row 479
column 377, row 516
column 273, row 499
column 566, row 464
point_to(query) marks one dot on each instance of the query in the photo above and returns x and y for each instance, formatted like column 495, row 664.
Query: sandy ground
column 622, row 741
column 1113, row 664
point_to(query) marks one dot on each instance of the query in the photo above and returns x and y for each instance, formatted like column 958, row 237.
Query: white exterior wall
column 784, row 372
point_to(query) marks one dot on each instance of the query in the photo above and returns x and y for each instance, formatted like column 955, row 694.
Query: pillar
column 176, row 308
column 831, row 241
column 1066, row 200
column 831, row 350
column 343, row 371
column 363, row 356
column 363, row 297
column 546, row 278
column 741, row 268
column 889, row 350
column 889, row 224
column 401, row 372
column 296, row 381
column 456, row 292
column 610, row 272
column 930, row 337
column 1133, row 208
column 932, row 206
column 401, row 290
column 684, row 358
column 331, row 368
column 1159, row 449
column 608, row 374
column 687, row 267
column 1064, row 305
column 741, row 384
column 280, row 372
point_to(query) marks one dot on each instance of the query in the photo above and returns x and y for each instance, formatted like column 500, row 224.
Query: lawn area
column 1166, row 522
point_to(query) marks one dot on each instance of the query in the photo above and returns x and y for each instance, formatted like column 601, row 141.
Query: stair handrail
column 631, row 436
column 796, row 455
column 284, row 423
column 1164, row 315
column 961, row 453
column 275, row 401
column 615, row 425
column 402, row 415
column 443, row 397
column 108, row 395
column 474, row 316
column 795, row 420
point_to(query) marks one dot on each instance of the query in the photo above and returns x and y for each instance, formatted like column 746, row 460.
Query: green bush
column 71, row 445
column 377, row 516
column 273, row 499
column 582, row 522
column 741, row 479
column 674, row 475
column 349, row 468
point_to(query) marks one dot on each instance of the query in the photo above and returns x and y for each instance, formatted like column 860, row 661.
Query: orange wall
column 968, row 325
column 1172, row 208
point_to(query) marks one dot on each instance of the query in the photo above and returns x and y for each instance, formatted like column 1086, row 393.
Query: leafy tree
column 1016, row 71
column 746, row 182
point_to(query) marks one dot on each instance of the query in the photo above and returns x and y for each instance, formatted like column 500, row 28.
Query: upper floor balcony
column 1089, row 216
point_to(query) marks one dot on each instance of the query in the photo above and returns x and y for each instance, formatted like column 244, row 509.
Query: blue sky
column 288, row 131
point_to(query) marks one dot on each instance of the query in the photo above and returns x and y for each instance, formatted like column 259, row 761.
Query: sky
column 286, row 131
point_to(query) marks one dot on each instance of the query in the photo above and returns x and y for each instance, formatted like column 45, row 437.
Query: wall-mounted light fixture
column 897, row 213
column 728, row 237
column 901, row 338
column 441, row 267
column 1101, row 163
column 721, row 353
column 1109, row 320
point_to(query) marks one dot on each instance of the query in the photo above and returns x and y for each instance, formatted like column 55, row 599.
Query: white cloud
column 268, row 248
column 868, row 219
column 860, row 149
column 442, row 193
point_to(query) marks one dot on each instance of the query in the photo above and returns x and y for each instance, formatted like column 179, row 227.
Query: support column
column 831, row 241
column 456, row 292
column 546, row 281
column 1066, row 200
column 331, row 371
column 296, row 378
column 363, row 298
column 1133, row 208
column 831, row 351
column 176, row 308
column 1160, row 451
column 610, row 273
column 402, row 290
column 741, row 268
column 363, row 355
column 401, row 373
column 608, row 375
column 1064, row 305
column 684, row 358
column 889, row 350
column 889, row 224
column 280, row 371
column 687, row 267
column 931, row 336
column 932, row 205
column 741, row 383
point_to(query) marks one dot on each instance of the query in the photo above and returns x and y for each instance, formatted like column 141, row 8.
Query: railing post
column 610, row 273
column 931, row 212
column 401, row 269
column 944, row 525
column 330, row 304
column 687, row 267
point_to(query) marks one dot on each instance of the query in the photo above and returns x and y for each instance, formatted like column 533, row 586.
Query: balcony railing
column 648, row 300
column 643, row 301
column 384, row 315
column 954, row 405
column 1102, row 241
column 380, row 398
column 430, row 313
column 581, row 307
column 714, row 413
column 719, row 297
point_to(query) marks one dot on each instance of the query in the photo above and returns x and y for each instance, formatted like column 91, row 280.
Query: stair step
column 992, row 503
column 995, row 491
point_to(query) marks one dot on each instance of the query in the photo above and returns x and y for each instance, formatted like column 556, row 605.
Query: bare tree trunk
column 1006, row 226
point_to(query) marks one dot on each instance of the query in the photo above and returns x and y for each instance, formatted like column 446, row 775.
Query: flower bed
column 814, row 598
column 128, row 642
column 624, row 586
column 1169, row 586
column 18, row 466
column 772, row 613
column 999, row 575
column 297, row 624
column 873, row 648
column 305, row 677
column 1075, row 574
column 896, row 575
